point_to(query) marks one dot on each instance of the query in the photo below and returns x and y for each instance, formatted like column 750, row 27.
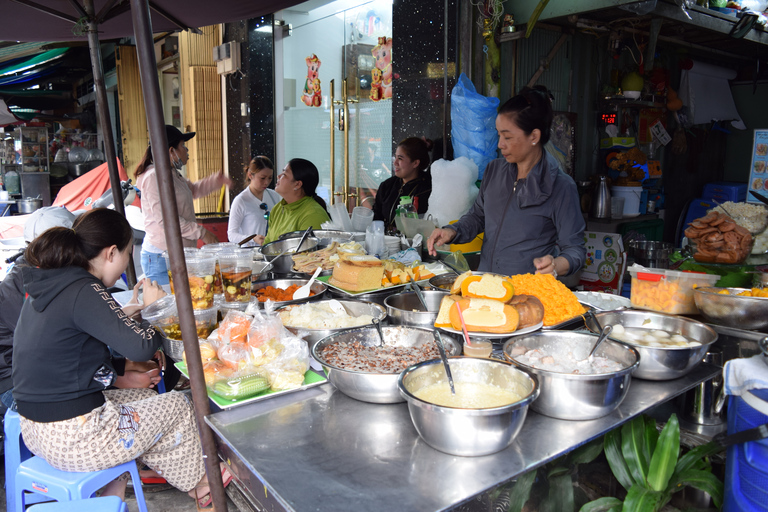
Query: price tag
column 660, row 133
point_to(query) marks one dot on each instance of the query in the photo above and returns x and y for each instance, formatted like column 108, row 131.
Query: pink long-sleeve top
column 185, row 192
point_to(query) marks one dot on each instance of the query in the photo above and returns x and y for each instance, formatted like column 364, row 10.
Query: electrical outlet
column 243, row 109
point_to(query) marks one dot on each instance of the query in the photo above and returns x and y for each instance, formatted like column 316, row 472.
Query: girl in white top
column 248, row 212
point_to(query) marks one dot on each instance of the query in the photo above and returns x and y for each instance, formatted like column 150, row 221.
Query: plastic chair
column 102, row 504
column 16, row 452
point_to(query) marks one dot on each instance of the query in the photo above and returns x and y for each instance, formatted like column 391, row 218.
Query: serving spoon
column 603, row 334
column 444, row 357
column 303, row 292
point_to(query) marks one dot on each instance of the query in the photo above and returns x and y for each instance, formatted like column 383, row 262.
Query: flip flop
column 205, row 502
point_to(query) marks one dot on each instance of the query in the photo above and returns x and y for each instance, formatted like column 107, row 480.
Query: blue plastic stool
column 37, row 476
column 102, row 504
column 16, row 452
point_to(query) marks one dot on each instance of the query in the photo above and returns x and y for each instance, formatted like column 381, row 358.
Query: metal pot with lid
column 29, row 204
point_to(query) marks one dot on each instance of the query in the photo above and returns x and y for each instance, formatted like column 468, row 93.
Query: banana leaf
column 616, row 460
column 585, row 453
column 608, row 504
column 521, row 491
column 560, row 496
column 701, row 480
column 641, row 499
column 665, row 455
column 696, row 455
column 633, row 449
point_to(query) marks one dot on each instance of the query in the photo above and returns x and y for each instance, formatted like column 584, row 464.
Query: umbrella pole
column 105, row 122
column 142, row 27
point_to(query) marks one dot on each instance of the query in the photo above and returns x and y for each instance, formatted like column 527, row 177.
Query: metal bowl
column 377, row 388
column 443, row 281
column 570, row 396
column 284, row 264
column 660, row 363
column 468, row 432
column 353, row 307
column 405, row 308
column 325, row 236
column 317, row 287
column 377, row 296
column 731, row 310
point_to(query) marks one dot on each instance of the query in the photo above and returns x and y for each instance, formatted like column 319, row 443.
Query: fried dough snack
column 719, row 239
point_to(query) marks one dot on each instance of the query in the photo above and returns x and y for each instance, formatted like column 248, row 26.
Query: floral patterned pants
column 159, row 430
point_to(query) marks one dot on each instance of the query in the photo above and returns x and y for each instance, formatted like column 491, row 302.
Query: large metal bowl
column 660, row 363
column 353, row 307
column 325, row 236
column 731, row 310
column 377, row 388
column 468, row 432
column 405, row 308
column 284, row 263
column 570, row 396
column 443, row 281
column 318, row 287
column 377, row 296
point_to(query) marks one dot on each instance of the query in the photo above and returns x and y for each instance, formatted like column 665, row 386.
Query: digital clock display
column 608, row 118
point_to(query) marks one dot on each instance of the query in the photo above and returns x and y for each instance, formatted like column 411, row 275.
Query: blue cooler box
column 746, row 466
column 723, row 191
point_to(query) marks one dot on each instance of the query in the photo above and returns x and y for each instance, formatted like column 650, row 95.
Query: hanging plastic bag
column 473, row 124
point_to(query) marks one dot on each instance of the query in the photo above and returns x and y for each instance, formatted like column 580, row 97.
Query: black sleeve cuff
column 118, row 363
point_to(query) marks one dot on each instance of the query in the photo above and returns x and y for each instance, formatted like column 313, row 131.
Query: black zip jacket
column 11, row 299
column 62, row 341
column 389, row 193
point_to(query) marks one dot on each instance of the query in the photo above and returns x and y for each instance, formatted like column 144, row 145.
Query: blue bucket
column 746, row 467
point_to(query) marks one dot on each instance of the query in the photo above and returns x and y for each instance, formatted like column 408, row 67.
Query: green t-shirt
column 297, row 216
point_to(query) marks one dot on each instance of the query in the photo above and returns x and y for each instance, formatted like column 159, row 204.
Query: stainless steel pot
column 29, row 204
column 405, row 308
column 283, row 264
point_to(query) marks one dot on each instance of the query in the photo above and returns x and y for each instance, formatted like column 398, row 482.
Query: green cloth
column 300, row 215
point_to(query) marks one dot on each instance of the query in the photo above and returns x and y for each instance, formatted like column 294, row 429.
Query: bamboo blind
column 201, row 108
column 133, row 118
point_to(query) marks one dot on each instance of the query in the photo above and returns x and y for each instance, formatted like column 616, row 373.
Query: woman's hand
column 258, row 239
column 550, row 265
column 440, row 236
column 209, row 238
column 152, row 291
column 133, row 306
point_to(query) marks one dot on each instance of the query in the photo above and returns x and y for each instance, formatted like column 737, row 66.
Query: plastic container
column 361, row 218
column 631, row 197
column 724, row 191
column 617, row 207
column 201, row 272
column 164, row 316
column 188, row 251
column 746, row 467
column 667, row 291
column 236, row 270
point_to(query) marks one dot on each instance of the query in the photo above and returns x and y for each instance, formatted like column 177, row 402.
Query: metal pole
column 142, row 28
column 105, row 122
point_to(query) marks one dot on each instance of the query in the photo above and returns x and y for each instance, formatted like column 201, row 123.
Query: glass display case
column 31, row 143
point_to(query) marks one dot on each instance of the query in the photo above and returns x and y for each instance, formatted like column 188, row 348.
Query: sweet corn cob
column 241, row 387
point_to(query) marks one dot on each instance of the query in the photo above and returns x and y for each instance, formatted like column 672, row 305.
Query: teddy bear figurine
column 312, row 95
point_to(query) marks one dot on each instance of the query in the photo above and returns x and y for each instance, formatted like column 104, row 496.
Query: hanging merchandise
column 312, row 96
column 473, row 124
column 381, row 74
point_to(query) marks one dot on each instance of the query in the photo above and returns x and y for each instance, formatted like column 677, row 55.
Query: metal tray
column 571, row 323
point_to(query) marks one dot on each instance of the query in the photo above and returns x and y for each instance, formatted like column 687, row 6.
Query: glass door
column 336, row 86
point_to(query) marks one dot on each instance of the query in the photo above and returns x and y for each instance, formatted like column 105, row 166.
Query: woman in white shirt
column 248, row 213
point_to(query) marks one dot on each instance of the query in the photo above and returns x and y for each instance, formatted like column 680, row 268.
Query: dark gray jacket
column 11, row 299
column 538, row 216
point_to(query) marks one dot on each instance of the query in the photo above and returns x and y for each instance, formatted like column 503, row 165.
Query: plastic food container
column 164, row 315
column 667, row 291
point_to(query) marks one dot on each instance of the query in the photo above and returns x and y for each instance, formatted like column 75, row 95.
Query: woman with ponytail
column 62, row 367
column 300, row 207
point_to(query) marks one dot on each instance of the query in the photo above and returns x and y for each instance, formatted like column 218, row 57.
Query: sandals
column 204, row 503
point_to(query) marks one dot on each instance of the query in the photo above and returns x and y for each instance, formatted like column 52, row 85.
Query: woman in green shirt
column 300, row 207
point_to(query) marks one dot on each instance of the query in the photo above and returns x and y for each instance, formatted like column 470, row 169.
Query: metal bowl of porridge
column 572, row 390
column 357, row 363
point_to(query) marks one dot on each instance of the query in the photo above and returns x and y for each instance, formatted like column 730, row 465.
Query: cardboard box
column 605, row 264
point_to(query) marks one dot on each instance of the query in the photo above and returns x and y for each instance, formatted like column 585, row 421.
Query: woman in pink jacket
column 152, row 261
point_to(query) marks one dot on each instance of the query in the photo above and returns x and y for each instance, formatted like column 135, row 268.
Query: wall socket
column 243, row 109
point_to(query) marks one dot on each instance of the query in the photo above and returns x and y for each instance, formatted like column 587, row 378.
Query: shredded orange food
column 560, row 304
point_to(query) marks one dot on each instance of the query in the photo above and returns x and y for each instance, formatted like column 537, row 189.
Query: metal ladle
column 420, row 295
column 444, row 357
column 377, row 325
column 603, row 334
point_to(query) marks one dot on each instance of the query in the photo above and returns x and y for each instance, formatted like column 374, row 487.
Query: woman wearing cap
column 300, row 207
column 154, row 245
column 249, row 211
column 527, row 207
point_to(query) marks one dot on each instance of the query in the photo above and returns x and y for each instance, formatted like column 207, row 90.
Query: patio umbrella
column 70, row 20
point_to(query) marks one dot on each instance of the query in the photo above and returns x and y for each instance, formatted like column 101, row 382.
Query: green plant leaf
column 521, row 491
column 701, row 480
column 651, row 437
column 586, row 453
column 694, row 457
column 535, row 17
column 641, row 499
column 665, row 455
column 632, row 440
column 560, row 495
column 612, row 446
column 557, row 471
column 601, row 505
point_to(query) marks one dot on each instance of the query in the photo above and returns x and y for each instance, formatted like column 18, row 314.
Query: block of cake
column 357, row 273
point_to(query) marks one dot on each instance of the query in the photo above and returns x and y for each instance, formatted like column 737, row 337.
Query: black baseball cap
column 175, row 136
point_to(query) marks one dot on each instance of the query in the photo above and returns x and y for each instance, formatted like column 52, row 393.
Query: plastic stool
column 102, row 504
column 16, row 452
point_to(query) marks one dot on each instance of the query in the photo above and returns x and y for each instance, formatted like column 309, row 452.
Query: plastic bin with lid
column 666, row 291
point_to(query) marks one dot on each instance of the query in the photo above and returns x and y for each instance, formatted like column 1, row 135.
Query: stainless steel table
column 320, row 450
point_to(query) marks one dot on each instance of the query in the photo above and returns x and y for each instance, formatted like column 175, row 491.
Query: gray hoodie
column 525, row 219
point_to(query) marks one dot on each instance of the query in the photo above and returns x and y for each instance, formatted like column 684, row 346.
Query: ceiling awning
column 23, row 70
column 12, row 51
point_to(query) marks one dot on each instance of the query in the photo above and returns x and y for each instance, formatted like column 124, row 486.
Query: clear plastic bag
column 473, row 124
column 234, row 328
column 287, row 371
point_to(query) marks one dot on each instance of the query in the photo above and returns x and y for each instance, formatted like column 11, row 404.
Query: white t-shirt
column 246, row 216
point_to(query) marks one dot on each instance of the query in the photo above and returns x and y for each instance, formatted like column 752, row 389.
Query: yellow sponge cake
column 357, row 274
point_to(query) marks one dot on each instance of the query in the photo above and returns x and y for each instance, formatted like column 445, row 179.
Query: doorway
column 345, row 132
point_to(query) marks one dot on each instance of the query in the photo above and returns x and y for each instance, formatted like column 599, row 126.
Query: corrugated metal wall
column 533, row 52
